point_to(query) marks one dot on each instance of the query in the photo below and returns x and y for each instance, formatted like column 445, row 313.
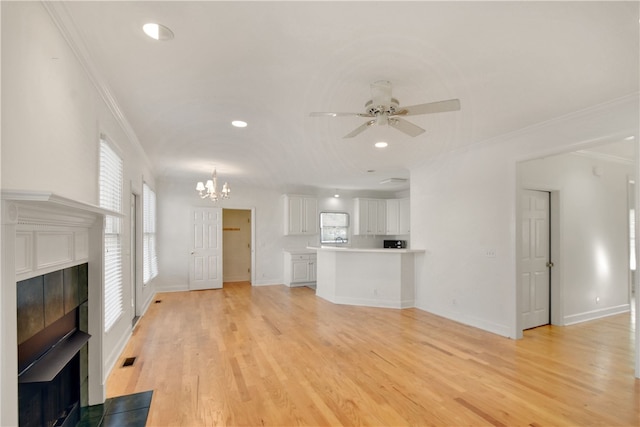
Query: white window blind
column 632, row 239
column 111, row 179
column 334, row 227
column 149, row 257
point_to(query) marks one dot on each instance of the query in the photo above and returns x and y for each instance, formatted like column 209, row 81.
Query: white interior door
column 205, row 270
column 535, row 258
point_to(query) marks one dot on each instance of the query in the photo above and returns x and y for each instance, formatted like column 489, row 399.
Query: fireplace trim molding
column 44, row 232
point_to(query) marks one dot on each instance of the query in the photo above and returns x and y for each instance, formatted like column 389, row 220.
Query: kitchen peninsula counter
column 366, row 276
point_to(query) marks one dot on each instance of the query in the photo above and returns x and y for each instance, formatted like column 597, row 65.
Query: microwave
column 394, row 244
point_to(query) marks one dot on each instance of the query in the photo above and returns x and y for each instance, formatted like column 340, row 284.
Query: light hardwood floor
column 277, row 356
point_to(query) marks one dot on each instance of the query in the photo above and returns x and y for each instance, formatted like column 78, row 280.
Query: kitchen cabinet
column 370, row 216
column 397, row 216
column 299, row 268
column 300, row 215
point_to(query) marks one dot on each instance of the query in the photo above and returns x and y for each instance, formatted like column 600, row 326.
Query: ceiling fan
column 383, row 109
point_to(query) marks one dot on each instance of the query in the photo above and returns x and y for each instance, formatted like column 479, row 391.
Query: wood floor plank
column 278, row 356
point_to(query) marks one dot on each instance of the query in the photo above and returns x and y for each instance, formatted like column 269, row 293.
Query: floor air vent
column 158, row 301
column 129, row 361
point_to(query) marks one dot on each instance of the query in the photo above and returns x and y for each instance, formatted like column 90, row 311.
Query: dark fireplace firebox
column 52, row 347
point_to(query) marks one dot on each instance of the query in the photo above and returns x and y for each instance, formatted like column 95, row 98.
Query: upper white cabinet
column 370, row 216
column 393, row 216
column 404, row 221
column 398, row 216
column 300, row 215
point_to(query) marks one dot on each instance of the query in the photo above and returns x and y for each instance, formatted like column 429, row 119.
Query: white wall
column 175, row 199
column 52, row 116
column 593, row 258
column 464, row 202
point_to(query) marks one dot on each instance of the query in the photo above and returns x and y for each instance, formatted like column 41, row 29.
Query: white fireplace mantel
column 44, row 232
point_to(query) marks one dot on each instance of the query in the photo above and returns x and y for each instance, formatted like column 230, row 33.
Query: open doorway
column 590, row 272
column 236, row 238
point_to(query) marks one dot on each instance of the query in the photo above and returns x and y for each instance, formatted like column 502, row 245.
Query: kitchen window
column 334, row 228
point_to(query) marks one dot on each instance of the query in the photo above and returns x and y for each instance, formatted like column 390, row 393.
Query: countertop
column 372, row 250
column 300, row 251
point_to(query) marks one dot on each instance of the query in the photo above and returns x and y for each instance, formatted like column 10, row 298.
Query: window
column 149, row 258
column 111, row 198
column 632, row 239
column 334, row 227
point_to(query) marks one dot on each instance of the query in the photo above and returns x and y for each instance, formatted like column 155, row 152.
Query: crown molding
column 59, row 14
column 603, row 156
column 541, row 127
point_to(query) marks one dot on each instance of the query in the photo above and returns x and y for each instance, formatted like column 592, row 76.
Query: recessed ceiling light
column 157, row 31
column 380, row 144
column 630, row 138
column 239, row 124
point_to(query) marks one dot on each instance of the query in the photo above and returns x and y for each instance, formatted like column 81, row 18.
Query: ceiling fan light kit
column 383, row 109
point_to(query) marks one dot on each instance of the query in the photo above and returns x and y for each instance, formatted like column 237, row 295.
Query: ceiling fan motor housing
column 378, row 110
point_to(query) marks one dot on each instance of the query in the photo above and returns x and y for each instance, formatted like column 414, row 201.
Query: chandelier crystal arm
column 210, row 189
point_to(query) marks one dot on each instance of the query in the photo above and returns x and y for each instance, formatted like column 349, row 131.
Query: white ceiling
column 511, row 64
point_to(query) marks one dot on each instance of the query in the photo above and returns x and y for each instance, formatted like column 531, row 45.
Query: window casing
column 334, row 228
column 149, row 257
column 111, row 183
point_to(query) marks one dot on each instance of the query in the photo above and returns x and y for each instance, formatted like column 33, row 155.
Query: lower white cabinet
column 299, row 268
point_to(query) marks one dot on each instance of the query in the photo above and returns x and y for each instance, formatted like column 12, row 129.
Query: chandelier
column 210, row 190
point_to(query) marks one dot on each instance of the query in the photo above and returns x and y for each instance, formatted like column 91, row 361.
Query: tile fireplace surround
column 51, row 304
column 52, row 347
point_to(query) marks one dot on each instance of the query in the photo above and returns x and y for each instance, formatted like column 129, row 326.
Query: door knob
column 550, row 264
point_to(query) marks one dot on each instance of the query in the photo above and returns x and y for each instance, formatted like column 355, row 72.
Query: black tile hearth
column 123, row 411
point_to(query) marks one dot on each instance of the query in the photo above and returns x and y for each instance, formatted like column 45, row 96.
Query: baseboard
column 364, row 302
column 259, row 283
column 595, row 314
column 173, row 288
column 112, row 358
column 472, row 321
column 147, row 303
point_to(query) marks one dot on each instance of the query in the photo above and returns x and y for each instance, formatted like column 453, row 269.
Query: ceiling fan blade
column 405, row 126
column 432, row 107
column 359, row 129
column 329, row 114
